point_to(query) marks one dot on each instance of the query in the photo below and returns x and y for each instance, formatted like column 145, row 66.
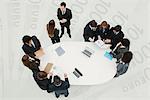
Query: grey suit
column 121, row 69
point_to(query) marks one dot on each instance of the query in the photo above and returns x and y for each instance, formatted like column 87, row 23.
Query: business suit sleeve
column 36, row 42
column 59, row 15
column 67, row 81
column 50, row 79
column 49, row 87
column 86, row 34
column 28, row 51
column 69, row 15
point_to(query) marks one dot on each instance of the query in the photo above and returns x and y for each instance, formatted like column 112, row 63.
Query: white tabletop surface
column 96, row 70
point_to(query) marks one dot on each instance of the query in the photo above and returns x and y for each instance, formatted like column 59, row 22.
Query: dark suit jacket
column 67, row 15
column 31, row 49
column 118, row 53
column 43, row 84
column 101, row 33
column 88, row 33
column 115, row 39
column 64, row 86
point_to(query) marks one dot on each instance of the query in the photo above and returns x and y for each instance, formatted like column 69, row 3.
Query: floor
column 21, row 17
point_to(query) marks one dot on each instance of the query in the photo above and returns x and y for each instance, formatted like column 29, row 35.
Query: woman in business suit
column 123, row 65
column 31, row 64
column 40, row 77
column 53, row 32
column 102, row 30
column 121, row 48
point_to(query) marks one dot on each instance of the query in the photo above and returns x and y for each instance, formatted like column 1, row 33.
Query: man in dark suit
column 90, row 31
column 115, row 35
column 64, row 15
column 41, row 79
column 31, row 45
column 39, row 76
column 59, row 86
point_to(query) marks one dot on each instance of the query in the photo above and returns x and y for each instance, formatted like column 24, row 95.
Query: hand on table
column 91, row 40
column 107, row 41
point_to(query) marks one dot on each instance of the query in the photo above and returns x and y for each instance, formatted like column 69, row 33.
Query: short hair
column 63, row 4
column 41, row 75
column 93, row 23
column 26, row 39
column 125, row 42
column 57, row 80
column 118, row 28
column 127, row 57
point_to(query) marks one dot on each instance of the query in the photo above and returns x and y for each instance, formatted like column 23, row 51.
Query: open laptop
column 88, row 51
column 77, row 73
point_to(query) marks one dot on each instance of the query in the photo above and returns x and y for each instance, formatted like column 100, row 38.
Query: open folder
column 108, row 55
column 48, row 68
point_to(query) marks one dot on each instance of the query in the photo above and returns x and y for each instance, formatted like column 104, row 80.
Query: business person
column 41, row 79
column 39, row 76
column 115, row 35
column 31, row 45
column 59, row 86
column 64, row 15
column 121, row 48
column 123, row 65
column 30, row 63
column 53, row 32
column 90, row 31
column 102, row 31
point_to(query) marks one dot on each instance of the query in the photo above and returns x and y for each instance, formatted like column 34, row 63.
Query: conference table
column 96, row 69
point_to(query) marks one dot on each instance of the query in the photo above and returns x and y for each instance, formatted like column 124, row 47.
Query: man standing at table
column 64, row 15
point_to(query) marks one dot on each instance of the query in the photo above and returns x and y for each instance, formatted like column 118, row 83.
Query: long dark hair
column 51, row 27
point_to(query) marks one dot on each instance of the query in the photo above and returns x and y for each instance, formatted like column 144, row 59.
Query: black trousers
column 62, row 30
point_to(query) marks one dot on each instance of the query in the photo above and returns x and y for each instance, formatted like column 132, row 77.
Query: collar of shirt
column 63, row 12
column 116, row 33
column 33, row 44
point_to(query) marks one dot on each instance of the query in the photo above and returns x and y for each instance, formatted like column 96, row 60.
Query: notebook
column 48, row 68
column 60, row 51
column 108, row 55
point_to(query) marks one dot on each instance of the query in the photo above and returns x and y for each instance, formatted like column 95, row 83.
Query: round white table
column 96, row 69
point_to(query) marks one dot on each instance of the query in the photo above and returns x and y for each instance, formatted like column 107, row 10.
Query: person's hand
column 91, row 40
column 107, row 41
column 61, row 21
column 64, row 20
column 99, row 38
column 65, row 75
column 51, row 74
